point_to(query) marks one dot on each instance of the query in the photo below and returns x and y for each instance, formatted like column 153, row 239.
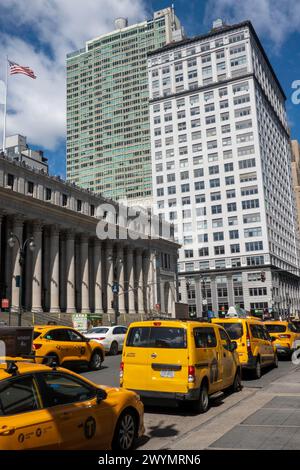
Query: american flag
column 16, row 68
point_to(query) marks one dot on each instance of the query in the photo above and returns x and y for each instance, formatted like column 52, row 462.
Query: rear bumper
column 192, row 394
column 283, row 350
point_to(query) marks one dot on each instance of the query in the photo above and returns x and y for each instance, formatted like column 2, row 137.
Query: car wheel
column 275, row 363
column 201, row 405
column 51, row 360
column 125, row 433
column 96, row 361
column 257, row 370
column 237, row 383
column 114, row 348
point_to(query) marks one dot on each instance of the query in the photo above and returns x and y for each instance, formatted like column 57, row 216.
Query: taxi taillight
column 121, row 370
column 35, row 346
column 284, row 336
column 157, row 323
column 191, row 374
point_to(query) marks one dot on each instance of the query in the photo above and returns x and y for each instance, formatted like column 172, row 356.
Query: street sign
column 115, row 288
column 80, row 321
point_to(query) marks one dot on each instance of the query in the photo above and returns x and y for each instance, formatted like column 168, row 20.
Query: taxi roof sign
column 17, row 340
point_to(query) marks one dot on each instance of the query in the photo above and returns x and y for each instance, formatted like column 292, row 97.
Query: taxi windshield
column 234, row 330
column 157, row 337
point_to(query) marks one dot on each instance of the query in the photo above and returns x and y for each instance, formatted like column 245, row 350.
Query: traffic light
column 263, row 276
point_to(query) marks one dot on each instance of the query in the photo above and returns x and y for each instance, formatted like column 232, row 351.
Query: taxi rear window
column 276, row 328
column 36, row 334
column 234, row 330
column 157, row 337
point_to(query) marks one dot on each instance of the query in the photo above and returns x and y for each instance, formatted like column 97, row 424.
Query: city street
column 264, row 415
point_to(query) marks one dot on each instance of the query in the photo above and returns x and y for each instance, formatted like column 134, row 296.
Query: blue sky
column 37, row 107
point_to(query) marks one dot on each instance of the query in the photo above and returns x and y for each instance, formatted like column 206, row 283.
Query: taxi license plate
column 169, row 374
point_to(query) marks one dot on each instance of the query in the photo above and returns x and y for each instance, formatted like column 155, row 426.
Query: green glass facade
column 108, row 130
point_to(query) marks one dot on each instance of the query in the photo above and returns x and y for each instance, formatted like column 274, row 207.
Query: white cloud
column 61, row 26
column 275, row 19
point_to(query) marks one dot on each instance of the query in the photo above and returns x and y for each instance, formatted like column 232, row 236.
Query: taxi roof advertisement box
column 17, row 340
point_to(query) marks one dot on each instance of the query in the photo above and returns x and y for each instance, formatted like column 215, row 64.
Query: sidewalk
column 268, row 419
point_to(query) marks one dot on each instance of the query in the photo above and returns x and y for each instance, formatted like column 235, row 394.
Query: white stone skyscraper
column 221, row 170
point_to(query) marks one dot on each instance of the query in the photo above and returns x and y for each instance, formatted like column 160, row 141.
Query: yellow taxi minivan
column 183, row 361
column 286, row 336
column 65, row 345
column 254, row 344
column 45, row 408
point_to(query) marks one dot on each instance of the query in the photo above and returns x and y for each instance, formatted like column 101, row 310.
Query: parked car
column 182, row 361
column 255, row 347
column 110, row 337
column 62, row 345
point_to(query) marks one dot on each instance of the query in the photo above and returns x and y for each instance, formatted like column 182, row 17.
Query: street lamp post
column 13, row 238
column 115, row 287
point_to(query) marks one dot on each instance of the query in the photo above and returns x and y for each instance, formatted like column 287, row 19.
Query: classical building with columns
column 71, row 270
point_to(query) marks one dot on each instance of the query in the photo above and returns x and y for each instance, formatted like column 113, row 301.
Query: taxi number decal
column 89, row 428
column 82, row 351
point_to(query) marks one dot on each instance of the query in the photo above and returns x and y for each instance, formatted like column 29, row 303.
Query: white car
column 111, row 337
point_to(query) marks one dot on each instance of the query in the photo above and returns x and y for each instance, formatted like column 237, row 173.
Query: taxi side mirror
column 101, row 395
column 87, row 340
column 233, row 345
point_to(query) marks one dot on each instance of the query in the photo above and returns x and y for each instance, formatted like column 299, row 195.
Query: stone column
column 1, row 260
column 70, row 271
column 28, row 279
column 17, row 229
column 36, row 304
column 109, row 277
column 121, row 279
column 139, row 281
column 84, row 254
column 54, row 269
column 147, row 282
column 46, row 271
column 130, row 279
column 98, row 264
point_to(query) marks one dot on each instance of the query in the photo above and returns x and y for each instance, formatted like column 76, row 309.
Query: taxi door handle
column 153, row 355
column 66, row 415
column 7, row 431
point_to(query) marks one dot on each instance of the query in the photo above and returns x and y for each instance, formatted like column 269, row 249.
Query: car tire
column 257, row 370
column 125, row 433
column 237, row 383
column 114, row 348
column 51, row 360
column 96, row 360
column 275, row 363
column 202, row 404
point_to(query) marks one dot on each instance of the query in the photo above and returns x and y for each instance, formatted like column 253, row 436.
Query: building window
column 188, row 253
column 92, row 210
column 10, row 180
column 64, row 200
column 203, row 251
column 257, row 291
column 79, row 205
column 48, row 194
column 254, row 246
column 30, row 187
column 235, row 248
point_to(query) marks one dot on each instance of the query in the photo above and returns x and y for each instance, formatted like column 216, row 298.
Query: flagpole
column 5, row 107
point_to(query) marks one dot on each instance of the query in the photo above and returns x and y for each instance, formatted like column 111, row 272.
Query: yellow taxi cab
column 62, row 345
column 45, row 408
column 286, row 336
column 184, row 361
column 254, row 344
